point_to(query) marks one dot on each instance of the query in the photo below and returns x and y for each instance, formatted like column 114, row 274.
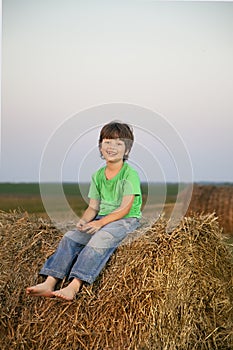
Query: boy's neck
column 114, row 167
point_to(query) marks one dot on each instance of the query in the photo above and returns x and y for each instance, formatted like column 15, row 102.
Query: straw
column 160, row 291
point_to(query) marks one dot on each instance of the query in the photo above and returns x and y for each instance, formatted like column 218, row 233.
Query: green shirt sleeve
column 93, row 190
column 132, row 184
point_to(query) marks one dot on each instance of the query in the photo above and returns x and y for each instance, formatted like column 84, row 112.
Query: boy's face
column 113, row 150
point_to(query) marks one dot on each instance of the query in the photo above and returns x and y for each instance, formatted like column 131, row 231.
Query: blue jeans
column 82, row 255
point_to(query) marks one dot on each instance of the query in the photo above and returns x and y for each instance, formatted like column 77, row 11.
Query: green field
column 27, row 197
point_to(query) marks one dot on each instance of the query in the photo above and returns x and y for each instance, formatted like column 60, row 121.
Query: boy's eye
column 108, row 142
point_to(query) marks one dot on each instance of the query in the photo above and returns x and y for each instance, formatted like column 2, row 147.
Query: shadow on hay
column 160, row 291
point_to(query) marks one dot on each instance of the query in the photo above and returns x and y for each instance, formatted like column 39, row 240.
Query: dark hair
column 115, row 130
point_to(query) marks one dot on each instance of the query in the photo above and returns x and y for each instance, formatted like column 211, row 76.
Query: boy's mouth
column 111, row 153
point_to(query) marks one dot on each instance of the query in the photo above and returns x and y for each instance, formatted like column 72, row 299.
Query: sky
column 69, row 66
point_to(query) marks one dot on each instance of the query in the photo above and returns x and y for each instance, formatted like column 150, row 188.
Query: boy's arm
column 117, row 214
column 89, row 214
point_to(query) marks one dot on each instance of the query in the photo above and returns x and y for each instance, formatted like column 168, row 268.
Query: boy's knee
column 70, row 233
column 103, row 240
column 78, row 236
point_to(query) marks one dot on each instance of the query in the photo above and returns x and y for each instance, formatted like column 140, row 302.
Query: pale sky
column 63, row 59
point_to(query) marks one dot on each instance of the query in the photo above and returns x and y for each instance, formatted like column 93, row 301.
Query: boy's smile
column 113, row 149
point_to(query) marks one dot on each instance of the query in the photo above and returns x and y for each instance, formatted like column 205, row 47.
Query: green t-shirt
column 110, row 192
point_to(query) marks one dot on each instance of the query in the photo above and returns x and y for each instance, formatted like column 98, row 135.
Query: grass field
column 26, row 196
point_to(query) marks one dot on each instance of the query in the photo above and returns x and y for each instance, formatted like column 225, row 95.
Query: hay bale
column 161, row 291
column 214, row 199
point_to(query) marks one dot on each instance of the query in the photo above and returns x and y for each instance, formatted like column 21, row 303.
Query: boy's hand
column 92, row 227
column 80, row 225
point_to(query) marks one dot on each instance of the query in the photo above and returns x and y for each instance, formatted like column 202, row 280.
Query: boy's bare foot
column 44, row 289
column 68, row 293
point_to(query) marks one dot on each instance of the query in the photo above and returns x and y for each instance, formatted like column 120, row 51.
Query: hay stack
column 161, row 291
column 219, row 199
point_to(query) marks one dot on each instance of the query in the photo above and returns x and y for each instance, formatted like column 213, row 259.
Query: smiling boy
column 114, row 210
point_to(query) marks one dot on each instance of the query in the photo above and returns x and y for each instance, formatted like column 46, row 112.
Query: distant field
column 214, row 199
column 26, row 196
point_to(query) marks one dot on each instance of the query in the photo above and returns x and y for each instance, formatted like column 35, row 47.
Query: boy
column 114, row 210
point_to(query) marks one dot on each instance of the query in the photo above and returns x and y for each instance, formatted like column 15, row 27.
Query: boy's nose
column 112, row 149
